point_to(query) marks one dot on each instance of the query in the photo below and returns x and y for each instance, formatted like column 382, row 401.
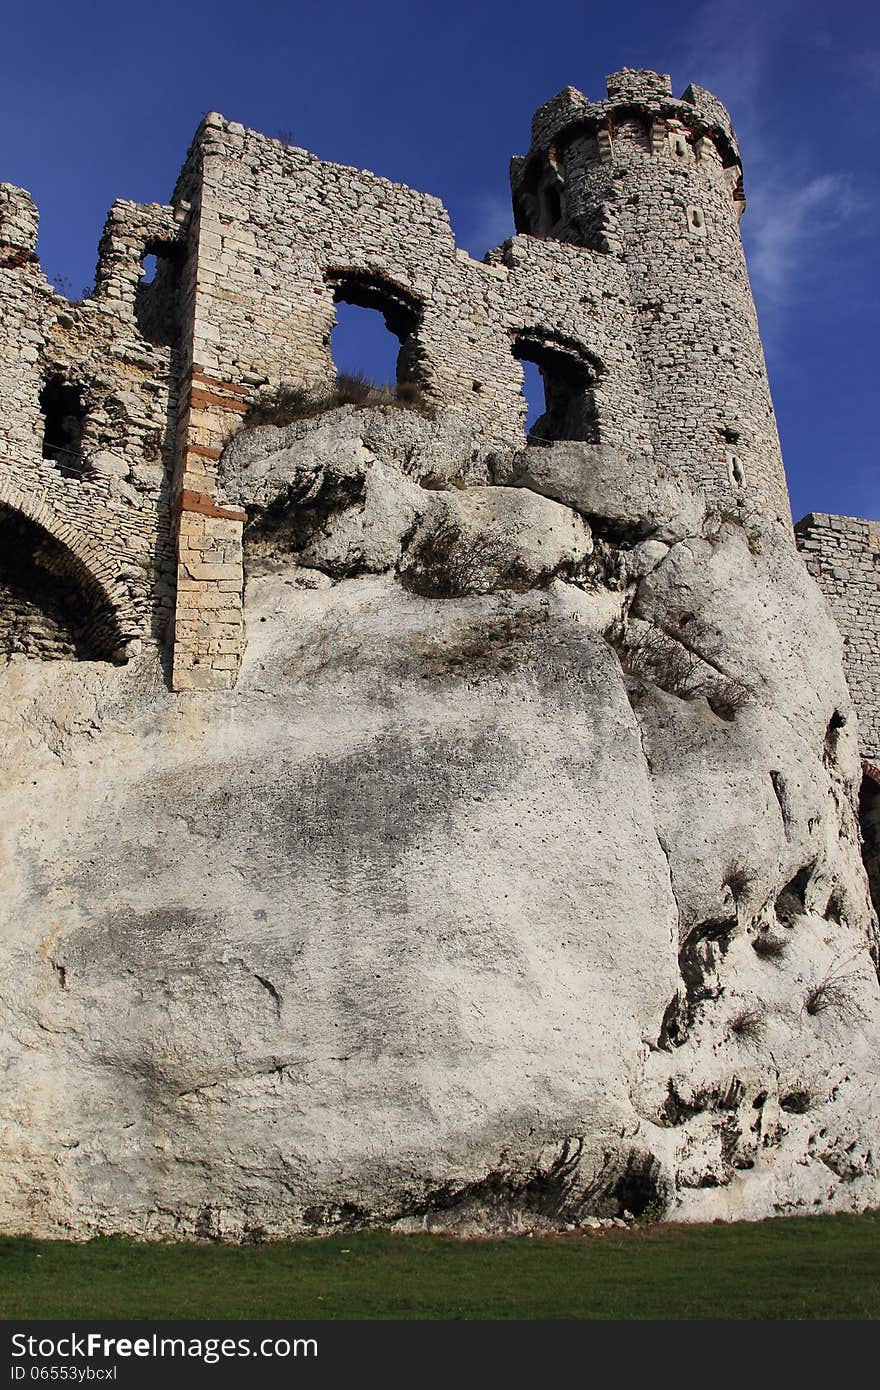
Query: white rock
column 379, row 935
column 103, row 461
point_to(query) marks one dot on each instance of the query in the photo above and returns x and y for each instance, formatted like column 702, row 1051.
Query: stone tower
column 656, row 183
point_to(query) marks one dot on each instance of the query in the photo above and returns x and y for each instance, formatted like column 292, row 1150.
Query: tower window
column 551, row 206
column 696, row 221
column 538, row 201
column 64, row 414
column 155, row 301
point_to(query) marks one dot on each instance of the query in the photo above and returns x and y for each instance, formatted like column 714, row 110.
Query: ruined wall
column 626, row 285
column 281, row 237
column 88, row 407
column 843, row 554
column 257, row 977
column 630, row 279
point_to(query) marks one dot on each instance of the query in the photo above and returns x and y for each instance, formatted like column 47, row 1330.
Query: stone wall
column 655, row 313
column 626, row 285
column 843, row 554
column 281, row 238
column 101, row 493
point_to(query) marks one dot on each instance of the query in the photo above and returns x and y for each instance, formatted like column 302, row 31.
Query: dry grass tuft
column 838, row 991
column 748, row 1024
column 291, row 401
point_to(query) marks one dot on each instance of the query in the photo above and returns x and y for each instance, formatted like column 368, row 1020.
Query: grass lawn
column 804, row 1267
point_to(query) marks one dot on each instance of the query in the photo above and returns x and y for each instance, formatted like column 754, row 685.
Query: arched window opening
column 533, row 390
column 155, row 299
column 363, row 349
column 50, row 606
column 538, row 200
column 375, row 338
column 567, row 375
column 551, row 207
column 64, row 412
column 869, row 823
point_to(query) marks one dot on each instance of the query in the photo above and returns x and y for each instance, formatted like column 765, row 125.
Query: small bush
column 287, row 403
column 446, row 562
column 480, row 648
column 651, row 654
column 411, row 394
column 662, row 658
column 737, row 879
column 353, row 388
column 655, row 1210
column 836, row 990
column 727, row 696
column 749, row 1023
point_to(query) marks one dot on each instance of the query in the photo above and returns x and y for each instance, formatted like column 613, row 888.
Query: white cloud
column 786, row 224
column 736, row 50
column 490, row 223
column 726, row 51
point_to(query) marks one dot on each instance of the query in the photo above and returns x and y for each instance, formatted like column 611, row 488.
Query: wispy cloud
column 726, row 50
column 794, row 210
column 787, row 225
column 490, row 222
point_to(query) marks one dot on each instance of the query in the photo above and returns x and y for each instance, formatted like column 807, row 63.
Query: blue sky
column 100, row 101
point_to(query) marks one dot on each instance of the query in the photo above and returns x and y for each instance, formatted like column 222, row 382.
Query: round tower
column 657, row 183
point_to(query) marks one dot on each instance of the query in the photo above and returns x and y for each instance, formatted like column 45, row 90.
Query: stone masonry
column 626, row 283
column 409, row 817
column 843, row 555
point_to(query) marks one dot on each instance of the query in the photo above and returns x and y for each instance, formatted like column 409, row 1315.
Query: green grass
column 806, row 1267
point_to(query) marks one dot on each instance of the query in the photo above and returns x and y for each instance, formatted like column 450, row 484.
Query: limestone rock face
column 521, row 899
column 633, row 499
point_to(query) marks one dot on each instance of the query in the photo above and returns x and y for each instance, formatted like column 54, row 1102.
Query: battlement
column 630, row 90
column 638, row 84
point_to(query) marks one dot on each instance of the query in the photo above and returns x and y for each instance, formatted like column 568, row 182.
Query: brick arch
column 82, row 561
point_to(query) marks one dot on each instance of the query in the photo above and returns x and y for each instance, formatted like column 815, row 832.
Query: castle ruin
column 156, row 508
